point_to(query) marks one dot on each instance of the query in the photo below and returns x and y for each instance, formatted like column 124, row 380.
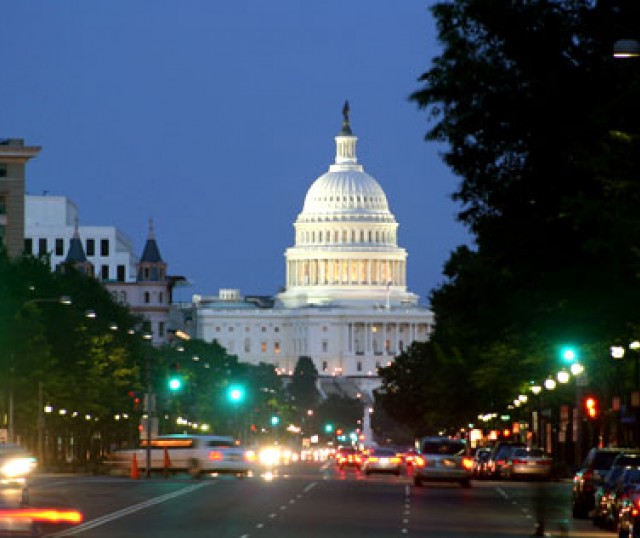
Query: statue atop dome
column 346, row 126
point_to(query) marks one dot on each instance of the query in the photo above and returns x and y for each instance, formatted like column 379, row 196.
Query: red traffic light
column 591, row 407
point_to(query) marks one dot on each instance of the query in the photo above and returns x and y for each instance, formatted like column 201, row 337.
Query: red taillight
column 519, row 462
column 467, row 463
column 358, row 459
column 216, row 455
column 500, row 462
column 50, row 515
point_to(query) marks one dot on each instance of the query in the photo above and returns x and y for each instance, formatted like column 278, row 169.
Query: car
column 628, row 525
column 348, row 457
column 523, row 462
column 498, row 457
column 443, row 459
column 195, row 454
column 590, row 476
column 16, row 464
column 480, row 461
column 604, row 513
column 382, row 460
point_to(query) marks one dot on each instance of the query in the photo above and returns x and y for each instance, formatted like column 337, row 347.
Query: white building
column 50, row 223
column 346, row 303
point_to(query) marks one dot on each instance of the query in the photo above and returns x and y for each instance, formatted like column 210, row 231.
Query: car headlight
column 17, row 467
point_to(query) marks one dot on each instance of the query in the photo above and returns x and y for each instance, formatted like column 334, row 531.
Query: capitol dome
column 346, row 250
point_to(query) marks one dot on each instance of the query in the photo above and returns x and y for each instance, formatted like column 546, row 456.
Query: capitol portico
column 346, row 303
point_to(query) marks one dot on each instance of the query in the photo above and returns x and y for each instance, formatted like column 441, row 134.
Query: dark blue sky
column 214, row 118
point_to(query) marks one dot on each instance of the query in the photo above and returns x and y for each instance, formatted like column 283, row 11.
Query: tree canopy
column 542, row 126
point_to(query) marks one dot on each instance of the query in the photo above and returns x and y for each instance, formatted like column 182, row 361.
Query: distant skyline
column 214, row 119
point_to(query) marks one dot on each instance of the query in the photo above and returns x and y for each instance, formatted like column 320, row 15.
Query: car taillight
column 373, row 459
column 500, row 462
column 519, row 462
column 358, row 459
column 420, row 461
column 216, row 455
column 49, row 515
column 395, row 459
column 250, row 455
column 467, row 463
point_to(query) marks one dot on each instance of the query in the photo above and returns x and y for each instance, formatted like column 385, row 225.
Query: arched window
column 147, row 297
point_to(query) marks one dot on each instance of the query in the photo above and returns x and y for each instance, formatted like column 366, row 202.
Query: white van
column 195, row 454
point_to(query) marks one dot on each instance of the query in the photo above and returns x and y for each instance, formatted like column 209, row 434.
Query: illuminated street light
column 563, row 376
column 536, row 389
column 549, row 384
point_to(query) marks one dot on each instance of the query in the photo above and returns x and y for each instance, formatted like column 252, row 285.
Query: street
column 307, row 499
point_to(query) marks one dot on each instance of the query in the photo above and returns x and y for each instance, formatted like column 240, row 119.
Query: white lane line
column 271, row 516
column 310, row 487
column 502, row 492
column 131, row 509
column 259, row 525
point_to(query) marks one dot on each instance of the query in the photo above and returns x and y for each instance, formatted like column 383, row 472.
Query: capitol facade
column 345, row 304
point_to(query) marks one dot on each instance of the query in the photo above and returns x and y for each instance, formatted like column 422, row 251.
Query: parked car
column 625, row 486
column 382, row 460
column 523, row 462
column 629, row 515
column 605, row 492
column 590, row 476
column 443, row 459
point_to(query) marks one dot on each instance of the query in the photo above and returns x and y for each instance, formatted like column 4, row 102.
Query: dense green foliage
column 91, row 373
column 542, row 125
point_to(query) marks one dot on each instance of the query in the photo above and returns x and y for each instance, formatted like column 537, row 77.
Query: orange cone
column 135, row 473
column 166, row 463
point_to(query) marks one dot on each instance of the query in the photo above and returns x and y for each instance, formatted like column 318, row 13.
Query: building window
column 247, row 345
column 276, row 347
column 276, row 329
column 147, row 297
column 161, row 329
column 325, row 346
column 123, row 297
column 161, row 297
column 42, row 246
column 91, row 247
column 230, row 329
column 217, row 329
column 264, row 329
column 263, row 347
column 104, row 247
column 359, row 366
column 325, row 366
column 104, row 272
column 59, row 246
column 3, row 170
column 324, row 328
column 28, row 245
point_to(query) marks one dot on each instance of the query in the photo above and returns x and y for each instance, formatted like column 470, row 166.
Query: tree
column 302, row 389
column 542, row 127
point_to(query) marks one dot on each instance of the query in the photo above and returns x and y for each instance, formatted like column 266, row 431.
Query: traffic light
column 569, row 354
column 328, row 428
column 175, row 379
column 591, row 407
column 275, row 420
column 235, row 393
column 175, row 383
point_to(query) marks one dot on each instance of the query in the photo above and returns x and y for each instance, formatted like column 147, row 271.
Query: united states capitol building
column 346, row 303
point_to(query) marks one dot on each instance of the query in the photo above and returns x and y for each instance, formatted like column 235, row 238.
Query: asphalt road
column 308, row 500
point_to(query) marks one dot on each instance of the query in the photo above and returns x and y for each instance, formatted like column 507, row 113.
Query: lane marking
column 131, row 509
column 259, row 525
column 310, row 487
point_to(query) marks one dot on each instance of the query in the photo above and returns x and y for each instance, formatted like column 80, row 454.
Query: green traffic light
column 175, row 384
column 328, row 428
column 235, row 393
column 569, row 354
column 275, row 421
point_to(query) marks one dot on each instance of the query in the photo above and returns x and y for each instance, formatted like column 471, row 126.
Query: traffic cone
column 135, row 473
column 166, row 463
